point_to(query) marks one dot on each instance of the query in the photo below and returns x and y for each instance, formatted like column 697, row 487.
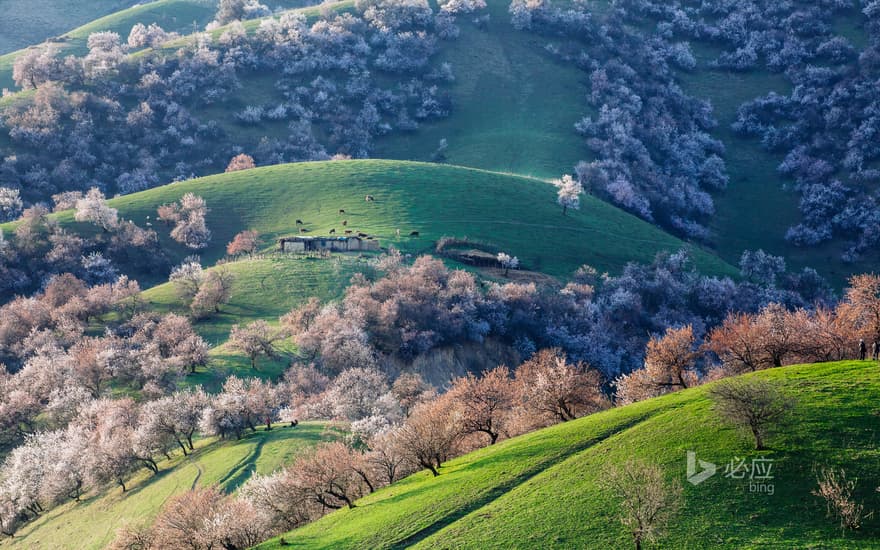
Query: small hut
column 476, row 257
column 329, row 244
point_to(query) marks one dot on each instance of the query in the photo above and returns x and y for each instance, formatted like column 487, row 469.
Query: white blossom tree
column 11, row 204
column 105, row 55
column 508, row 262
column 93, row 208
column 568, row 193
column 254, row 339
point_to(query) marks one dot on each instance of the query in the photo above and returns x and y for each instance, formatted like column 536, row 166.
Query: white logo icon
column 708, row 469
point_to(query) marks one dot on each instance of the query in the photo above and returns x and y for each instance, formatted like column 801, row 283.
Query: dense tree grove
column 68, row 437
column 605, row 321
column 654, row 155
column 825, row 126
column 402, row 428
column 121, row 124
column 774, row 336
column 40, row 248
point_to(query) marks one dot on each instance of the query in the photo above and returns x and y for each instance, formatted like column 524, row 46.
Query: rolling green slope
column 263, row 288
column 511, row 213
column 26, row 22
column 514, row 109
column 172, row 15
column 541, row 490
column 181, row 16
column 514, row 105
column 756, row 210
column 266, row 288
column 516, row 214
column 92, row 523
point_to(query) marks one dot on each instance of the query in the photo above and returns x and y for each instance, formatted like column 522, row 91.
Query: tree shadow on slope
column 497, row 491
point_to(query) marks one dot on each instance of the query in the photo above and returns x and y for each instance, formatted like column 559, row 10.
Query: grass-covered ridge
column 263, row 288
column 180, row 16
column 516, row 214
column 541, row 490
column 27, row 22
column 514, row 104
column 92, row 523
column 514, row 110
column 172, row 15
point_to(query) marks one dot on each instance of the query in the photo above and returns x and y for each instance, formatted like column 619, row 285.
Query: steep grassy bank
column 541, row 490
column 92, row 523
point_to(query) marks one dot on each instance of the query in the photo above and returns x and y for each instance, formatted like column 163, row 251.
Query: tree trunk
column 77, row 491
column 182, row 446
column 431, row 467
column 151, row 465
column 366, row 480
column 121, row 484
column 493, row 436
column 343, row 497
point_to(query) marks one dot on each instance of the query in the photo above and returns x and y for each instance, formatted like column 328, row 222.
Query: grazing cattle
column 299, row 222
column 348, row 231
column 332, row 231
column 342, row 211
column 369, row 198
column 344, row 222
column 303, row 230
column 414, row 234
column 362, row 234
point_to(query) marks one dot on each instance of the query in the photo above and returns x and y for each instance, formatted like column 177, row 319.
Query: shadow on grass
column 508, row 485
column 243, row 469
column 247, row 466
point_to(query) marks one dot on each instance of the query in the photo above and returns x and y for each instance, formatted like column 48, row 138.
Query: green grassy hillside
column 31, row 21
column 181, row 16
column 514, row 109
column 172, row 15
column 92, row 523
column 516, row 214
column 266, row 288
column 756, row 210
column 541, row 490
column 263, row 288
column 514, row 105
